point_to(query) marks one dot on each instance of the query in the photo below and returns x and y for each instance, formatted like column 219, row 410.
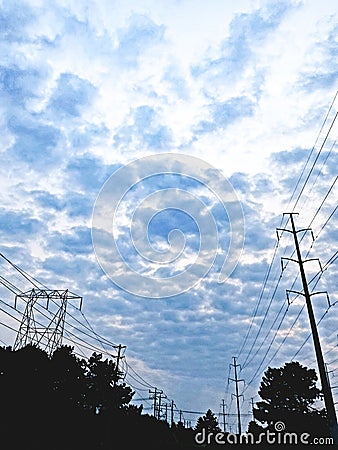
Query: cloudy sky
column 186, row 115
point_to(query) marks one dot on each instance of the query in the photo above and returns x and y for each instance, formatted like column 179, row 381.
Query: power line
column 318, row 154
column 259, row 300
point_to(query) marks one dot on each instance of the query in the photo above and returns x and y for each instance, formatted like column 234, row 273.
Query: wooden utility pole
column 223, row 414
column 156, row 392
column 237, row 395
column 118, row 359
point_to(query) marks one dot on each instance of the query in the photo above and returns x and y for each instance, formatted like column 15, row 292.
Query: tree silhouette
column 208, row 422
column 103, row 391
column 63, row 401
column 68, row 378
column 289, row 394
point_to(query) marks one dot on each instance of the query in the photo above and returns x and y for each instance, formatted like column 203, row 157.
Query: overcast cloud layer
column 88, row 87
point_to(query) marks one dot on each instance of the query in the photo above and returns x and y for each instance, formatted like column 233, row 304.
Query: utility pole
column 252, row 408
column 155, row 393
column 154, row 397
column 327, row 393
column 118, row 359
column 223, row 414
column 159, row 404
column 159, row 407
column 237, row 395
column 172, row 413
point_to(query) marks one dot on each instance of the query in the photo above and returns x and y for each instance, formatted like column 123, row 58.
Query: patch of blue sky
column 47, row 200
column 326, row 75
column 221, row 212
column 169, row 271
column 225, row 113
column 68, row 267
column 123, row 137
column 73, row 203
column 18, row 224
column 296, row 159
column 173, row 219
column 143, row 117
column 146, row 129
column 289, row 157
column 20, row 84
column 85, row 136
column 88, row 173
column 320, row 80
column 139, row 35
column 70, row 95
column 14, row 16
column 34, row 142
column 159, row 139
column 175, row 213
column 166, row 181
column 257, row 24
column 146, row 263
column 178, row 84
column 262, row 185
column 245, row 31
column 251, row 273
column 330, row 166
column 76, row 241
column 78, row 205
column 240, row 182
column 257, row 240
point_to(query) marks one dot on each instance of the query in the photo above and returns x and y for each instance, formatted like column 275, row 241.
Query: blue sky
column 86, row 88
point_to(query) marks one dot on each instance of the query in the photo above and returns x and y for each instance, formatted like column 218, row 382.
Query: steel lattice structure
column 43, row 329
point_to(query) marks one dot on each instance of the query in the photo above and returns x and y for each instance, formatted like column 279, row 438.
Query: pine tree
column 208, row 422
column 289, row 394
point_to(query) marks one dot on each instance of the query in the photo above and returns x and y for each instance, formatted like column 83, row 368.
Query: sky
column 148, row 152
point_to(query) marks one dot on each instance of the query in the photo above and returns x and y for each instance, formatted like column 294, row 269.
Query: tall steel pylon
column 326, row 389
column 44, row 330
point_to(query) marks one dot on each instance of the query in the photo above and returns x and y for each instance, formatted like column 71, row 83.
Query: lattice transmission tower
column 43, row 328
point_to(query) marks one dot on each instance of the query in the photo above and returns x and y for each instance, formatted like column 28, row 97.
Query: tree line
column 66, row 402
column 62, row 401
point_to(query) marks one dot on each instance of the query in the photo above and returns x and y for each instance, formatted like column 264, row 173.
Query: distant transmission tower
column 44, row 329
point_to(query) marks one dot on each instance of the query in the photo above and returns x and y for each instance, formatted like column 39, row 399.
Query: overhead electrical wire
column 69, row 336
column 315, row 215
column 316, row 278
column 259, row 300
column 318, row 154
column 312, row 150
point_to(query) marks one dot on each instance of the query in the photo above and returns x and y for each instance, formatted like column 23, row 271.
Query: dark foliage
column 70, row 403
column 289, row 395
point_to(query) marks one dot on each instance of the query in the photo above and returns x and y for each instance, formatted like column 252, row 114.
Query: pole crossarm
column 288, row 291
column 284, row 258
